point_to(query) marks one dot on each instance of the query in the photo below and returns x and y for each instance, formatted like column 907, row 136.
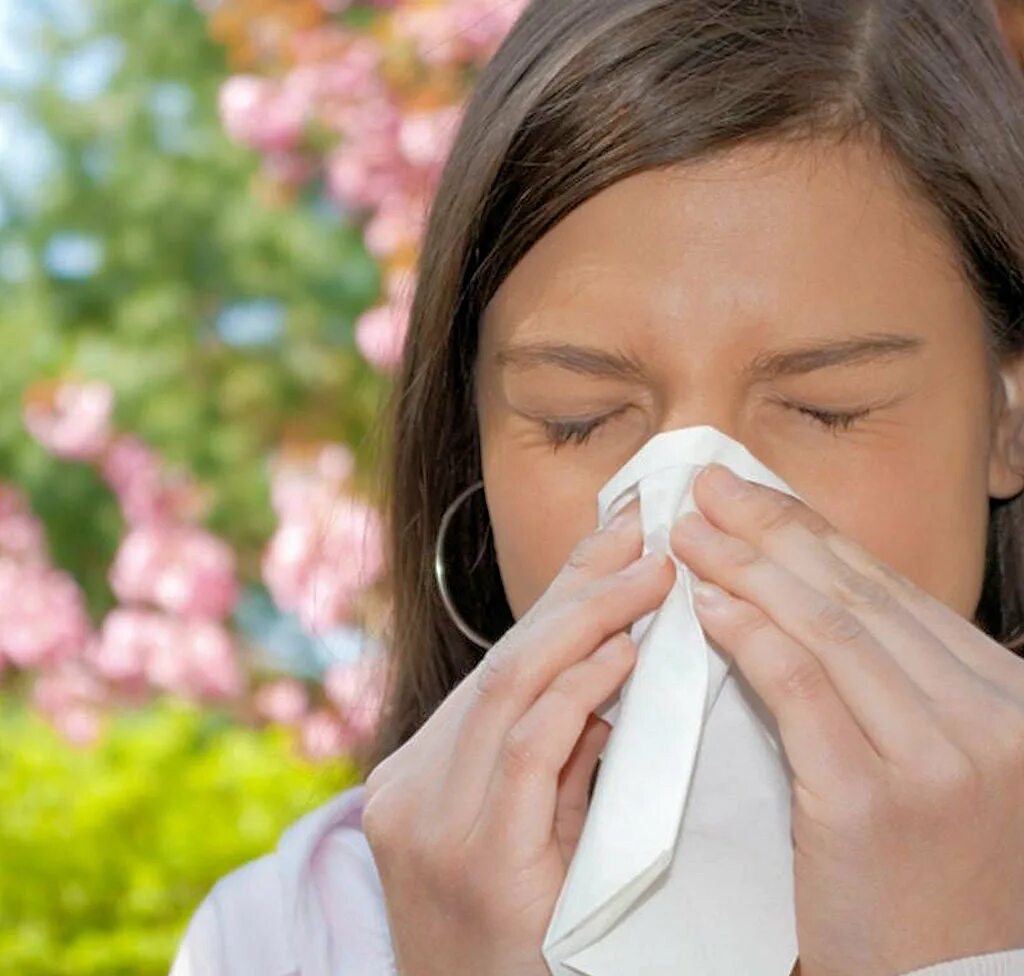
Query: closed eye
column 561, row 432
column 835, row 420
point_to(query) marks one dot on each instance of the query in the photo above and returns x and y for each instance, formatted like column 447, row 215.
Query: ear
column 1006, row 460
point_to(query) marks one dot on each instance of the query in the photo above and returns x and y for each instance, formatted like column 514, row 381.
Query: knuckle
column 377, row 777
column 747, row 622
column 378, row 820
column 593, row 609
column 581, row 559
column 835, row 624
column 946, row 776
column 1006, row 724
column 853, row 590
column 741, row 554
column 619, row 648
column 518, row 753
column 566, row 689
column 803, row 679
column 777, row 514
column 872, row 567
column 497, row 676
column 815, row 522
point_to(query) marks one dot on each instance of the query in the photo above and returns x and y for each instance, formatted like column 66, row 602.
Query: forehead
column 797, row 236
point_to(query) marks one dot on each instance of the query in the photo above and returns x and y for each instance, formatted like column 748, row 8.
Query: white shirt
column 315, row 907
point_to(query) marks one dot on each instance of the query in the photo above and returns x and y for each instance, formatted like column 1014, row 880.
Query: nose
column 720, row 415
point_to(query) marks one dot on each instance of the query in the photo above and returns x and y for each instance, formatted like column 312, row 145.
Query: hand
column 903, row 724
column 473, row 821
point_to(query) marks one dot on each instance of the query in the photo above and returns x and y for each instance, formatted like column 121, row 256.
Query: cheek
column 536, row 524
column 926, row 515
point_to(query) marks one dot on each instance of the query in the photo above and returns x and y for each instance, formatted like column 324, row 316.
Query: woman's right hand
column 473, row 821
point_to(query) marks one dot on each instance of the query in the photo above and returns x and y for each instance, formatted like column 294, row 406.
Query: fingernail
column 694, row 526
column 723, row 482
column 710, row 597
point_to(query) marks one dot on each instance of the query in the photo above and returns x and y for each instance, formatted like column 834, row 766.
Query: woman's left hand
column 903, row 724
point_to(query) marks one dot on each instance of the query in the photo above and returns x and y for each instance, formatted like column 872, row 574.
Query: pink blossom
column 336, row 68
column 193, row 658
column 380, row 332
column 323, row 736
column 73, row 422
column 357, row 689
column 397, row 225
column 318, row 562
column 69, row 684
column 146, row 491
column 380, row 336
column 283, row 700
column 300, row 479
column 43, row 618
column 22, row 536
column 181, row 568
column 263, row 114
column 457, row 31
column 121, row 649
column 71, row 698
column 479, row 28
column 212, row 661
column 364, row 172
column 425, row 138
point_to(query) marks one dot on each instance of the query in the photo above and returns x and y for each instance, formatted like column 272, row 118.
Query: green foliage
column 105, row 853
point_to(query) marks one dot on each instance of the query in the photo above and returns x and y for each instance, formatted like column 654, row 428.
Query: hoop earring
column 439, row 570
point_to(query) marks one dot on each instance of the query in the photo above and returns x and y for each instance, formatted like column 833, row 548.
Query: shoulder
column 313, row 907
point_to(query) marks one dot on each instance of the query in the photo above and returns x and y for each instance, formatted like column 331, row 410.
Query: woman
column 801, row 222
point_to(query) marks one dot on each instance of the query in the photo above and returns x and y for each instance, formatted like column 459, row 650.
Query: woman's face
column 666, row 300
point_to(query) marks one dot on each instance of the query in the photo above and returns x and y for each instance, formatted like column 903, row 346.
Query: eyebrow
column 589, row 360
column 805, row 358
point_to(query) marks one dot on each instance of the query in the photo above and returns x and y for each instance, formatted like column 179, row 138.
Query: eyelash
column 561, row 432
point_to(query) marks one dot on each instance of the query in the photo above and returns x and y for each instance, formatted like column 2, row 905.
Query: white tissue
column 685, row 863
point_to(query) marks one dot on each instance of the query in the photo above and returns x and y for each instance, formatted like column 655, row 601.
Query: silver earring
column 439, row 570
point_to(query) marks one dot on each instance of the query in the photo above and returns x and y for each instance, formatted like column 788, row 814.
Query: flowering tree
column 365, row 98
column 182, row 406
column 177, row 583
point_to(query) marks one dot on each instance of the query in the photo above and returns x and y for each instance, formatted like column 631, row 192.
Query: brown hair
column 585, row 92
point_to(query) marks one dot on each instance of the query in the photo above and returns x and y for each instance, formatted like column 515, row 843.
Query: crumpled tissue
column 685, row 863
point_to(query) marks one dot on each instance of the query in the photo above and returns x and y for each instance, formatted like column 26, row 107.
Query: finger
column 616, row 545
column 798, row 538
column 885, row 703
column 520, row 806
column 975, row 649
column 606, row 550
column 518, row 669
column 611, row 548
column 574, row 785
column 824, row 744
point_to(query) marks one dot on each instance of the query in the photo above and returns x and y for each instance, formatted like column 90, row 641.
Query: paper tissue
column 684, row 866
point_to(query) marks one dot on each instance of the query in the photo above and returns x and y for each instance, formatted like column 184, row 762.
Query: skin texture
column 697, row 271
column 850, row 616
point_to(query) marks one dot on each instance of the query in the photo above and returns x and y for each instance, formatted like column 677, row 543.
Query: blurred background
column 209, row 219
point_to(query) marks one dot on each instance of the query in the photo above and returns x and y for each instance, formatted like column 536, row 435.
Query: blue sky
column 24, row 150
